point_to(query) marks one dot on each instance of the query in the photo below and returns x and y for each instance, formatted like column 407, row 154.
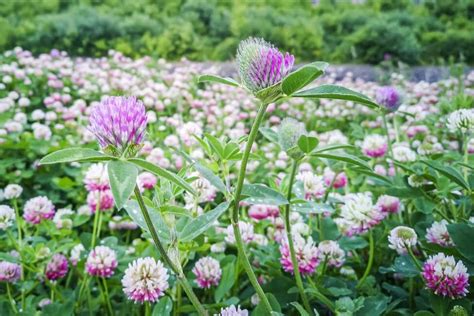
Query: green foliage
column 371, row 43
column 211, row 29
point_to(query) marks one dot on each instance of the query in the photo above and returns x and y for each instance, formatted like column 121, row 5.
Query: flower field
column 142, row 187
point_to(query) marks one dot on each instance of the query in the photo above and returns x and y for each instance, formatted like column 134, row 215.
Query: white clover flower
column 307, row 254
column 97, row 178
column 7, row 216
column 402, row 237
column 314, row 186
column 374, row 145
column 260, row 239
column 331, row 252
column 218, row 247
column 438, row 234
column 358, row 214
column 102, row 262
column 12, row 191
column 403, row 153
column 62, row 218
column 208, row 272
column 37, row 115
column 461, row 120
column 41, row 132
column 76, row 253
column 233, row 311
column 246, row 231
column 446, row 277
column 145, row 280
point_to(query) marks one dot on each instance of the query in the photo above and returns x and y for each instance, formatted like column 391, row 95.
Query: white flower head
column 461, row 120
column 7, row 216
column 145, row 280
column 12, row 191
column 402, row 237
column 246, row 231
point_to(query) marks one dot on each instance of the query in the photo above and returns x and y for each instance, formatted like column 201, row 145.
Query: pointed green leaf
column 307, row 143
column 370, row 173
column 206, row 173
column 74, row 154
column 133, row 210
column 216, row 145
column 214, row 78
column 227, row 281
column 163, row 307
column 200, row 224
column 302, row 77
column 261, row 194
column 310, row 207
column 123, row 179
column 343, row 157
column 300, row 309
column 160, row 172
column 338, row 93
column 333, row 147
column 463, row 235
column 231, row 149
column 449, row 172
column 269, row 134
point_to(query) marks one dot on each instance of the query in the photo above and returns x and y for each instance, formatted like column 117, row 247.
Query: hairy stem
column 389, row 143
column 294, row 261
column 96, row 221
column 235, row 210
column 177, row 270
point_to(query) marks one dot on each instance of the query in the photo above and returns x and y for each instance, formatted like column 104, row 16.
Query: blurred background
column 435, row 32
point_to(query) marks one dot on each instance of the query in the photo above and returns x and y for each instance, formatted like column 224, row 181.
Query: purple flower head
column 307, row 255
column 102, row 262
column 261, row 65
column 389, row 98
column 119, row 122
column 145, row 280
column 57, row 267
column 38, row 209
column 208, row 272
column 446, row 277
column 9, row 272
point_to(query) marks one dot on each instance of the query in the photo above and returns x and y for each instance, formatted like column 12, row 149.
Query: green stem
column 371, row 260
column 20, row 246
column 81, row 290
column 99, row 226
column 322, row 298
column 164, row 255
column 294, row 261
column 235, row 210
column 52, row 292
column 96, row 221
column 395, row 126
column 147, row 309
column 323, row 269
column 415, row 261
column 466, row 154
column 389, row 143
column 10, row 299
column 107, row 298
column 178, row 300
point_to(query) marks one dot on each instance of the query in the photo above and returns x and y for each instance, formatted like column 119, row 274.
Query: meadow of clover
column 137, row 186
